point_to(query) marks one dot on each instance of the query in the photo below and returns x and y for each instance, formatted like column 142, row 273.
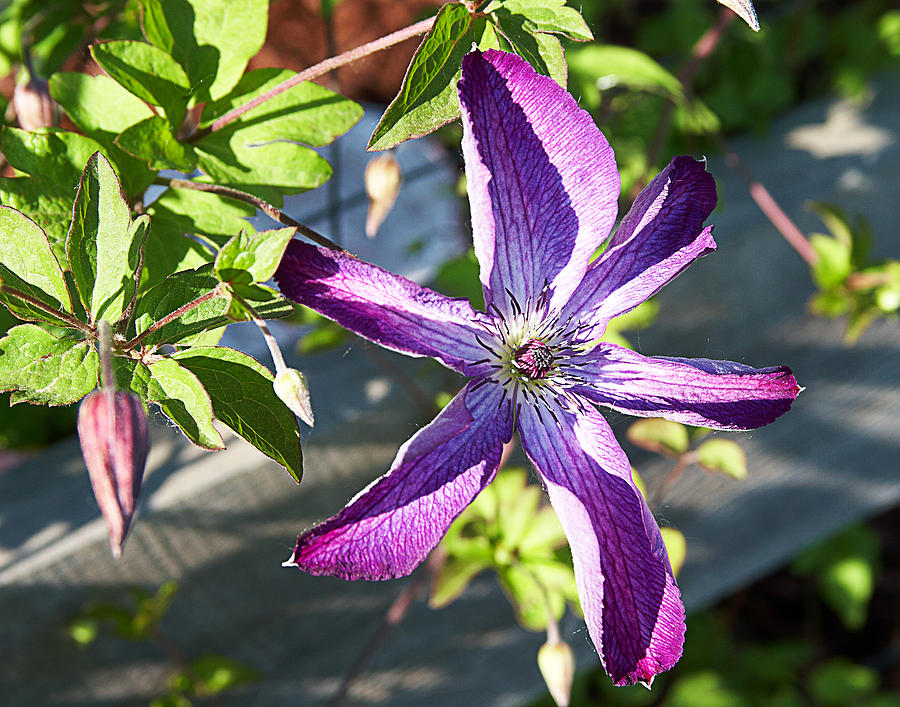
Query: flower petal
column 380, row 306
column 392, row 525
column 659, row 237
column 541, row 177
column 631, row 603
column 696, row 391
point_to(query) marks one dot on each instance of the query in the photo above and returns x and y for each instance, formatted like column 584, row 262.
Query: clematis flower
column 543, row 189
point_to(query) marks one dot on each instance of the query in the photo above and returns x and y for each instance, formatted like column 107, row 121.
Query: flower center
column 534, row 359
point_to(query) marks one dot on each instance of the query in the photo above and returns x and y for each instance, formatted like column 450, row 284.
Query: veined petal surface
column 392, row 525
column 657, row 239
column 541, row 177
column 722, row 395
column 631, row 603
column 383, row 307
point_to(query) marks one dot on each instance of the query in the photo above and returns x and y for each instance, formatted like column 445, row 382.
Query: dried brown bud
column 112, row 428
column 382, row 178
column 35, row 109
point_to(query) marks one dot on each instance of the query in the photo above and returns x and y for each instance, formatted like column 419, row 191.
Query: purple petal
column 661, row 235
column 631, row 603
column 380, row 306
column 391, row 526
column 719, row 394
column 541, row 177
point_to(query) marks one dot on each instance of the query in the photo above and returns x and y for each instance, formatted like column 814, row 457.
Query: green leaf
column 102, row 109
column 846, row 569
column 213, row 218
column 659, row 436
column 45, row 369
column 546, row 16
column 266, row 302
column 167, row 251
column 148, row 72
column 27, row 264
column 543, row 51
column 517, row 505
column 249, row 258
column 54, row 161
column 723, row 455
column 183, row 399
column 529, row 598
column 220, row 673
column 152, row 141
column 543, row 534
column 264, row 151
column 452, row 579
column 838, row 682
column 676, row 547
column 103, row 246
column 243, row 398
column 212, row 39
column 173, row 293
column 428, row 98
column 834, row 264
column 598, row 67
column 743, row 9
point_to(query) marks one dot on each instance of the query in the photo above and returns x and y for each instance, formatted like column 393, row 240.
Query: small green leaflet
column 103, row 246
column 213, row 218
column 427, row 98
column 212, row 39
column 28, row 265
column 243, row 398
column 147, row 72
column 152, row 141
column 723, row 455
column 44, row 369
column 550, row 16
column 250, row 258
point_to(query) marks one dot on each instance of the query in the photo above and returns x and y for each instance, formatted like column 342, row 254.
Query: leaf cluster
column 851, row 284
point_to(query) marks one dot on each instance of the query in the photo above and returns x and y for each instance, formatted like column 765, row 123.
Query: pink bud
column 112, row 428
column 35, row 109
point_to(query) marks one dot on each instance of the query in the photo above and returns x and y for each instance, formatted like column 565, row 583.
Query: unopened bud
column 382, row 179
column 35, row 109
column 290, row 386
column 557, row 664
column 112, row 429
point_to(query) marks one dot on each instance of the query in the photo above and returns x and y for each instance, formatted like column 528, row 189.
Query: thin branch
column 218, row 291
column 395, row 614
column 268, row 209
column 767, row 204
column 37, row 304
column 703, row 48
column 683, row 462
column 271, row 342
column 323, row 67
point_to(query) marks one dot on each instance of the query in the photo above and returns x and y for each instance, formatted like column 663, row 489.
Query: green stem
column 268, row 209
column 62, row 316
column 323, row 67
column 271, row 342
column 218, row 291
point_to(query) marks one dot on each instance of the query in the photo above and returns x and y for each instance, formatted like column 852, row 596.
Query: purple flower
column 543, row 188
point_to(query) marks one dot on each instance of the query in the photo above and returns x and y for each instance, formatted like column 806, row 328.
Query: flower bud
column 382, row 180
column 35, row 109
column 290, row 386
column 112, row 429
column 557, row 664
